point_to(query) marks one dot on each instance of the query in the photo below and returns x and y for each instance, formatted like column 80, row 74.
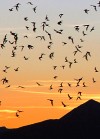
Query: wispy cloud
column 81, row 24
column 7, row 111
column 92, row 96
column 42, row 107
column 44, row 83
column 51, row 81
column 35, row 92
column 4, row 31
column 11, row 28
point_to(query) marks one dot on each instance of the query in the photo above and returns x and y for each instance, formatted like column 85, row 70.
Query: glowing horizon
column 32, row 81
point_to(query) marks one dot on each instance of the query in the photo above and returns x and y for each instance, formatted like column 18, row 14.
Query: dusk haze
column 49, row 68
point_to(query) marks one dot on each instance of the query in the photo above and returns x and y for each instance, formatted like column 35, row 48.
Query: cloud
column 35, row 92
column 81, row 24
column 42, row 107
column 44, row 83
column 4, row 31
column 7, row 111
column 91, row 96
column 11, row 28
column 50, row 81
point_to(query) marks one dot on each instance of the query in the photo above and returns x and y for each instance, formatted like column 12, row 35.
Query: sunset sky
column 32, row 99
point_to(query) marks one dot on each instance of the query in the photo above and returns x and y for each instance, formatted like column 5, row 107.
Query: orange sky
column 32, row 99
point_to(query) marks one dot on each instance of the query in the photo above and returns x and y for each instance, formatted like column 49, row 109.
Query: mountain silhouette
column 2, row 129
column 82, row 122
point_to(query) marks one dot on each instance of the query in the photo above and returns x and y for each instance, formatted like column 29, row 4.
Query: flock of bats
column 44, row 25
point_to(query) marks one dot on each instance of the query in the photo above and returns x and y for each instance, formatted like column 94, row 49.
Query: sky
column 33, row 99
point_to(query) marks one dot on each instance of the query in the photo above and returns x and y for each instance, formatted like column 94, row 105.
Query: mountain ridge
column 82, row 122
